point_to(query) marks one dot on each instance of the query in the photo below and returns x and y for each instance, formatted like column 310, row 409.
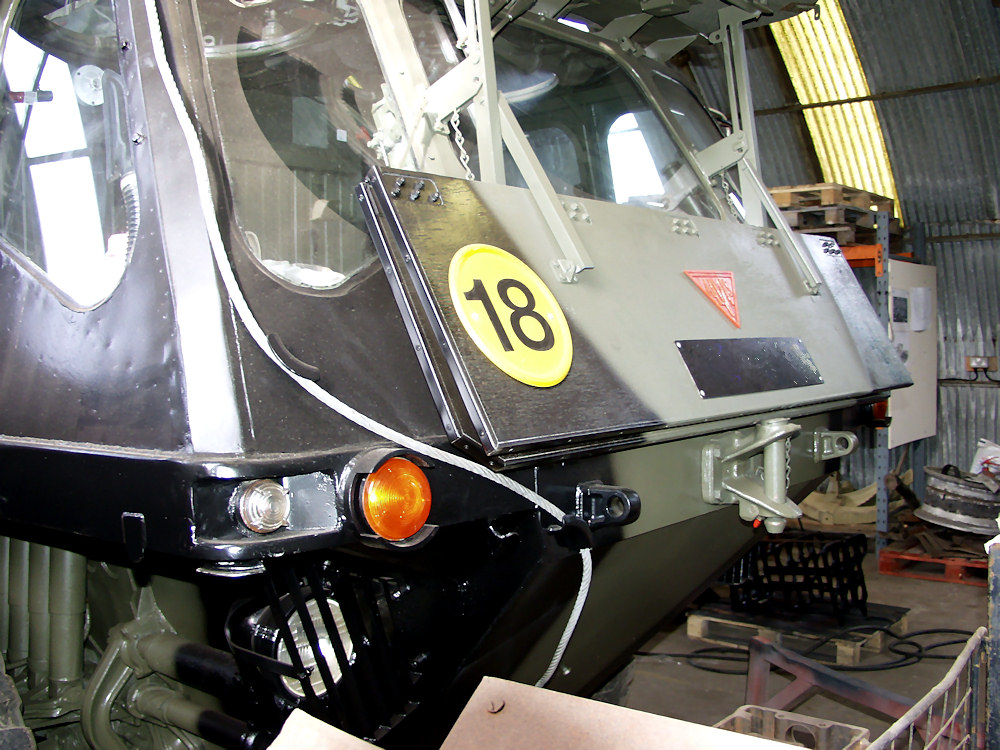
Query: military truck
column 352, row 350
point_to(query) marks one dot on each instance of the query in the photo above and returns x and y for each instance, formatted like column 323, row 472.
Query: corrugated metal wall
column 786, row 153
column 944, row 147
column 945, row 154
column 968, row 317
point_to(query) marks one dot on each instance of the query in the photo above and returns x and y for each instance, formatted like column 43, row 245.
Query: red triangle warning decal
column 720, row 288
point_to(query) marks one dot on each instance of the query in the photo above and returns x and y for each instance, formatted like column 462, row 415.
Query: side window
column 295, row 94
column 68, row 201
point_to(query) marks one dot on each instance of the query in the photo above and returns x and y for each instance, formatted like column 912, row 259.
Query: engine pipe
column 17, row 650
column 194, row 664
column 130, row 655
column 39, row 559
column 67, row 608
column 4, row 592
column 163, row 704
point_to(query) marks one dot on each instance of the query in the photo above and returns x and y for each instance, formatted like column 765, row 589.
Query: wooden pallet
column 912, row 563
column 824, row 216
column 844, row 234
column 719, row 625
column 829, row 194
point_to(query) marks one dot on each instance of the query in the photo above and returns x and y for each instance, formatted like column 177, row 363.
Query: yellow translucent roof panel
column 823, row 66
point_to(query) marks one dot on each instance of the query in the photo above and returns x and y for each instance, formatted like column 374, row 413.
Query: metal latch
column 597, row 506
column 604, row 505
column 829, row 444
column 752, row 470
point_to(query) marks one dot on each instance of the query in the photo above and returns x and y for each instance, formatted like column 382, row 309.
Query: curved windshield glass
column 692, row 119
column 68, row 201
column 701, row 130
column 591, row 127
column 294, row 87
column 304, row 111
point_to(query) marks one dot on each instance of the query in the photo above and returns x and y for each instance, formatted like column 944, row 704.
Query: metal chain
column 463, row 155
column 788, row 463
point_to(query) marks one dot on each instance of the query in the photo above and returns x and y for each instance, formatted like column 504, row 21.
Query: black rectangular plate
column 735, row 367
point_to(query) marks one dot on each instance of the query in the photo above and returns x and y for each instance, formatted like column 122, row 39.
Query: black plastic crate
column 798, row 571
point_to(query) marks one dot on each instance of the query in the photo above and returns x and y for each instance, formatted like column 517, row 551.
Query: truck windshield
column 294, row 88
column 302, row 101
column 592, row 128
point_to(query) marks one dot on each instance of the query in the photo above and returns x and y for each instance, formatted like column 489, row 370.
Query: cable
column 964, row 636
column 959, row 381
column 574, row 617
column 906, row 647
column 326, row 398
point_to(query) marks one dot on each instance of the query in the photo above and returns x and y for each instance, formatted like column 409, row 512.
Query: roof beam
column 884, row 95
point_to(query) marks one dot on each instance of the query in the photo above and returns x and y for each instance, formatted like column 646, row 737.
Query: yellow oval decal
column 511, row 315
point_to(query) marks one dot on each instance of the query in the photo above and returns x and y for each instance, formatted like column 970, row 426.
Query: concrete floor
column 672, row 687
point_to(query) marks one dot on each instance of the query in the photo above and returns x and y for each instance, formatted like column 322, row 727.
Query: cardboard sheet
column 504, row 714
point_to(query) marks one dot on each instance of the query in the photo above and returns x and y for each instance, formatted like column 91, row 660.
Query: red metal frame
column 808, row 674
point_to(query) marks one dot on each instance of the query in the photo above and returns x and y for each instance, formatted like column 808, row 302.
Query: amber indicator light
column 396, row 499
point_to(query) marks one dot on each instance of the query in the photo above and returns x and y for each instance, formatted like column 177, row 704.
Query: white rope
column 314, row 389
column 574, row 617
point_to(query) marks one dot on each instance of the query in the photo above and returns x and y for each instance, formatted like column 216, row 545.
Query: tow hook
column 752, row 471
column 597, row 506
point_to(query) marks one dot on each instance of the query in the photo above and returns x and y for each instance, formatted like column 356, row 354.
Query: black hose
column 906, row 648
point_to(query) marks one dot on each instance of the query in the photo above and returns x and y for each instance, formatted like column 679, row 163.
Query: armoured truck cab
column 353, row 350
